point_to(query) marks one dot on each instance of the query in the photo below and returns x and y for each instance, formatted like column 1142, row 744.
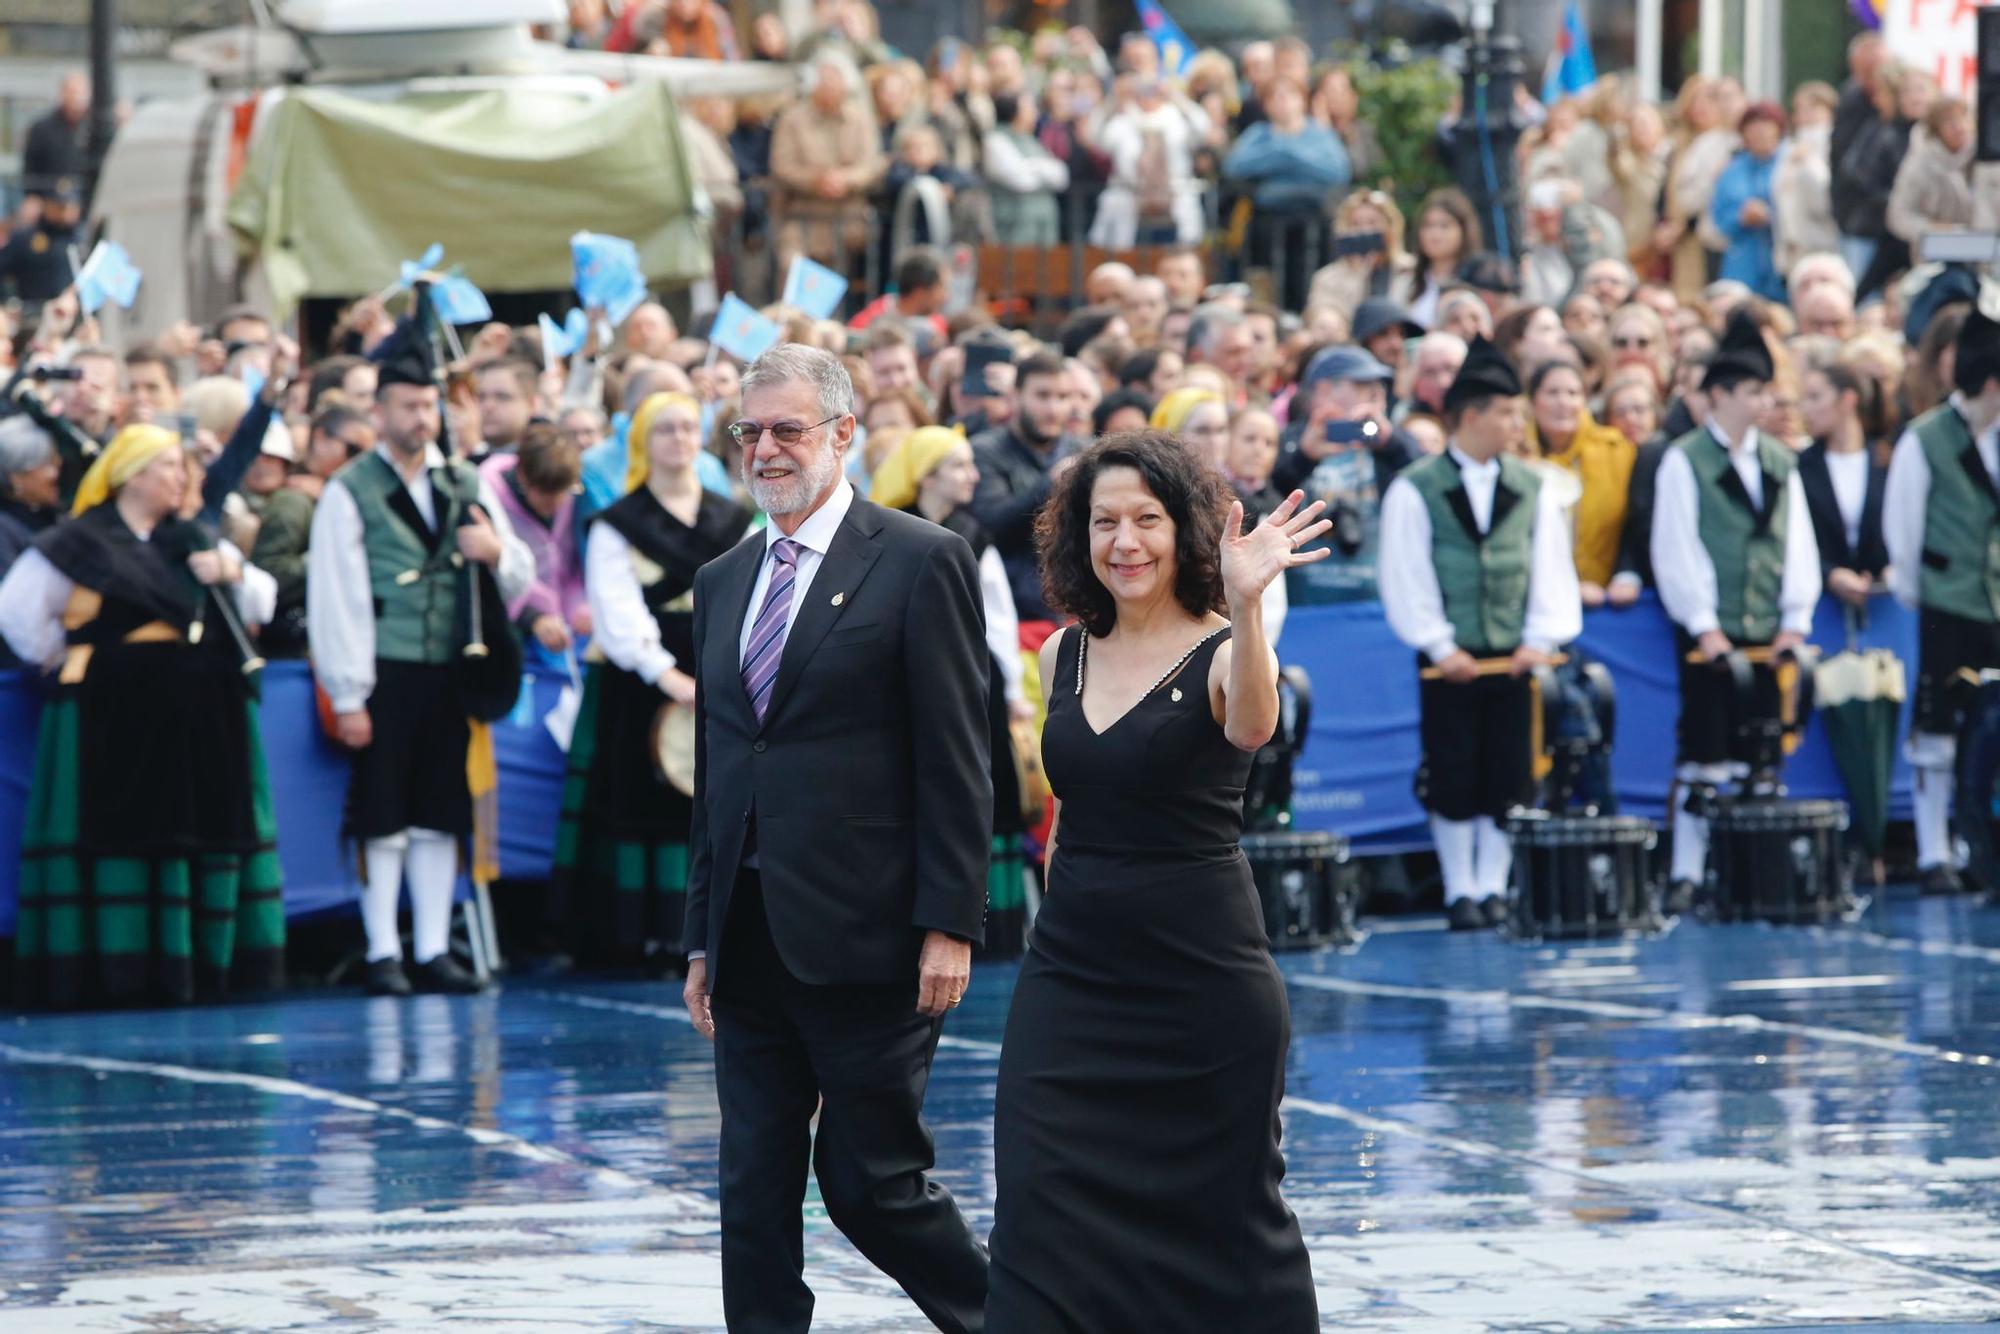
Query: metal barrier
column 1037, row 287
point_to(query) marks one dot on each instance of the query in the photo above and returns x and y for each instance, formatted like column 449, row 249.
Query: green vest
column 416, row 588
column 1748, row 554
column 1484, row 579
column 1961, row 560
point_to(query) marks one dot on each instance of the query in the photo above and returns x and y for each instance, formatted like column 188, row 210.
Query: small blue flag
column 457, row 301
column 1572, row 68
column 560, row 342
column 1173, row 44
column 608, row 276
column 413, row 268
column 814, row 288
column 108, row 275
column 741, row 331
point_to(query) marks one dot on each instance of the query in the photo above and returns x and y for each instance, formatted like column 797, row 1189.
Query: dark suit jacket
column 868, row 784
column 1635, row 546
column 1871, row 556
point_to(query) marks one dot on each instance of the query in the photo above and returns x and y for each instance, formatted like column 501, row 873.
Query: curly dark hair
column 1195, row 499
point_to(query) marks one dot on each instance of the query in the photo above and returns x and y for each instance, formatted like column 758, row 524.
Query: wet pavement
column 1730, row 1127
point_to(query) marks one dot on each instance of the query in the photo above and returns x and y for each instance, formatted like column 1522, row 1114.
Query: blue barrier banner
column 1354, row 778
column 309, row 788
column 1356, row 774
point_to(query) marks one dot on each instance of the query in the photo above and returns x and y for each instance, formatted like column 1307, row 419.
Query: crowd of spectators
column 1645, row 228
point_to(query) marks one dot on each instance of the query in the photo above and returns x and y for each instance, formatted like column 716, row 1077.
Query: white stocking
column 383, row 858
column 433, row 877
column 1455, row 840
column 1494, row 857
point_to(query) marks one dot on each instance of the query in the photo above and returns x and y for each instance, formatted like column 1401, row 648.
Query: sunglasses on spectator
column 785, row 433
column 1641, row 341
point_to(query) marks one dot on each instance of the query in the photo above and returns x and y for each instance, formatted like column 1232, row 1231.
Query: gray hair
column 1210, row 319
column 24, row 446
column 797, row 363
column 1439, row 340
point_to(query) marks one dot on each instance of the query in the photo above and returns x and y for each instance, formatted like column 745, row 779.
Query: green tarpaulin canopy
column 339, row 190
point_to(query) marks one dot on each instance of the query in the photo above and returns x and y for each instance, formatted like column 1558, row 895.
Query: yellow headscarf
column 638, row 463
column 129, row 452
column 1174, row 410
column 913, row 459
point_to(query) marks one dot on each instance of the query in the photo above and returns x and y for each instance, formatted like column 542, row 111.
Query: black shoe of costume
column 1466, row 915
column 1680, row 899
column 1940, row 879
column 386, row 978
column 441, row 976
column 1494, row 908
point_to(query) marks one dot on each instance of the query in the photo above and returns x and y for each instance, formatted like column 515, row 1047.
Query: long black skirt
column 619, row 888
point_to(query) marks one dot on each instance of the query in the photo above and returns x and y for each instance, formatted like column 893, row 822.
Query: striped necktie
column 767, row 636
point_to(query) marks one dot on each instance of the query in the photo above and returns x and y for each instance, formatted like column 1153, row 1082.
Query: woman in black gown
column 1136, row 1120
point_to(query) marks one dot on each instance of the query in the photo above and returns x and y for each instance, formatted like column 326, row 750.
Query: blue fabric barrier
column 1355, row 776
column 1354, row 779
column 309, row 787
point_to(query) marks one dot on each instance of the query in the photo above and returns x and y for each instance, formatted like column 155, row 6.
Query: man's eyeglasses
column 1641, row 341
column 747, row 433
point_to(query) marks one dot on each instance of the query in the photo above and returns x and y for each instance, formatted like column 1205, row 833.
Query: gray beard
column 796, row 492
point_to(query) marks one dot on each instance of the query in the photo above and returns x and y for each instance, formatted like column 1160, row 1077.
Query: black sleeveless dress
column 1135, row 1136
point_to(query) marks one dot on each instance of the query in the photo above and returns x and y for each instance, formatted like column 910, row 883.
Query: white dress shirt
column 1682, row 569
column 35, row 593
column 1407, row 574
column 1906, row 501
column 621, row 626
column 815, row 535
column 1849, row 475
column 1003, row 621
column 340, row 601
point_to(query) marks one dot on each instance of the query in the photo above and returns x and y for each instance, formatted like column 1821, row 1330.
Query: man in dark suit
column 837, row 856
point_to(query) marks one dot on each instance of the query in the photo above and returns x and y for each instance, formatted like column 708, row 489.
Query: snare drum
column 1578, row 876
column 1305, row 882
column 1775, row 860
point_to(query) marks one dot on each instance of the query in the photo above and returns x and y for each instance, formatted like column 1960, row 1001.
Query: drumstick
column 1490, row 667
column 1759, row 656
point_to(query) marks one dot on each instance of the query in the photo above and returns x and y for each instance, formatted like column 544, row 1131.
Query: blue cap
column 1345, row 364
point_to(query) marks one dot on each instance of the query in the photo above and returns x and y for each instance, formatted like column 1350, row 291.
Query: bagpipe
column 487, row 671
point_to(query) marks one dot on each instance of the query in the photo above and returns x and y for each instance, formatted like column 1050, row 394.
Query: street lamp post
column 1489, row 127
column 103, row 88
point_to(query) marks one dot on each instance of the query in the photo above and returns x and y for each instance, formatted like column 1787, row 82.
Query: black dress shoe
column 1679, row 900
column 386, row 978
column 1494, row 906
column 442, row 976
column 1940, row 879
column 1466, row 915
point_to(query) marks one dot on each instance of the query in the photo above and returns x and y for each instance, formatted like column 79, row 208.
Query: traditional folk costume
column 1941, row 522
column 1476, row 556
column 1733, row 550
column 620, row 877
column 384, row 592
column 149, row 867
column 895, row 486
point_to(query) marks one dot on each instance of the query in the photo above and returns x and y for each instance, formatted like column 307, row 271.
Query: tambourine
column 671, row 745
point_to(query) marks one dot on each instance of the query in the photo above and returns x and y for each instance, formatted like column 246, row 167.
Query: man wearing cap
column 1737, row 566
column 39, row 260
column 1476, row 566
column 385, row 572
column 1384, row 327
column 1941, row 521
column 1344, row 452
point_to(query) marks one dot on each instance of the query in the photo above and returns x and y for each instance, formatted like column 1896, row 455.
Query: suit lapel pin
column 1176, row 696
column 839, row 598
